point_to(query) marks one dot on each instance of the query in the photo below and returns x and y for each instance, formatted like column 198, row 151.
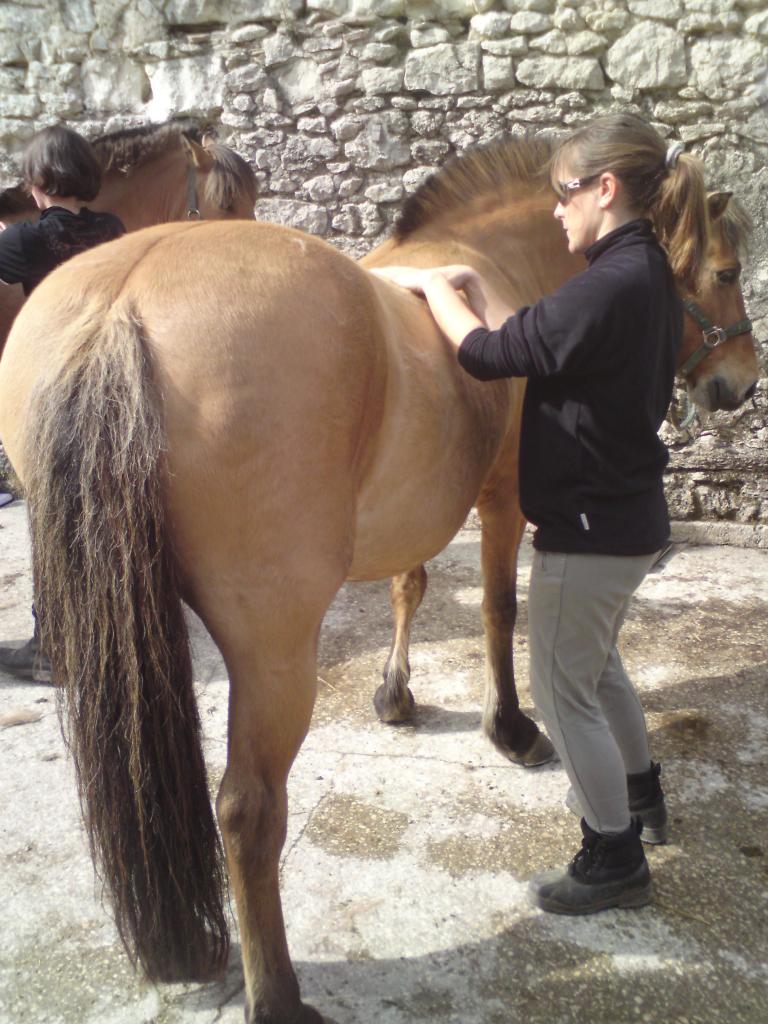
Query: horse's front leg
column 513, row 733
column 270, row 709
column 393, row 700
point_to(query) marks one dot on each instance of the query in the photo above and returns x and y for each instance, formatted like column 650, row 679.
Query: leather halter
column 193, row 210
column 712, row 336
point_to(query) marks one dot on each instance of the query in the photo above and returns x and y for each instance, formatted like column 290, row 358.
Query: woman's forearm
column 440, row 286
column 452, row 314
column 486, row 302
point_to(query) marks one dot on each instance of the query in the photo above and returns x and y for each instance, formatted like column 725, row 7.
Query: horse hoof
column 305, row 1015
column 540, row 752
column 392, row 710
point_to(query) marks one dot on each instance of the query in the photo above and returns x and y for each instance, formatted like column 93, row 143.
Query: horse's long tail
column 113, row 626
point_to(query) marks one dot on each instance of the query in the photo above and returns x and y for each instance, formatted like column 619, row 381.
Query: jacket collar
column 639, row 230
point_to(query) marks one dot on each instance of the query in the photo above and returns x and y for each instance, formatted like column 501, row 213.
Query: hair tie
column 673, row 152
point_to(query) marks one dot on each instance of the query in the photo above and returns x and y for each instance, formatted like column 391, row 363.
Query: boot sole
column 624, row 901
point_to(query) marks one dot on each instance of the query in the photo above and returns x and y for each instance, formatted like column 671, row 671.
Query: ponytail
column 679, row 216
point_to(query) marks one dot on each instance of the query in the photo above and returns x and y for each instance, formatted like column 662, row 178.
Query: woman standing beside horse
column 62, row 174
column 599, row 355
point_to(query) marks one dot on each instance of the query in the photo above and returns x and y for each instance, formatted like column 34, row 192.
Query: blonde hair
column 671, row 192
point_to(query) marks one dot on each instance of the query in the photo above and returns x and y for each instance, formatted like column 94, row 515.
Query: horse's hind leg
column 393, row 700
column 511, row 732
column 270, row 655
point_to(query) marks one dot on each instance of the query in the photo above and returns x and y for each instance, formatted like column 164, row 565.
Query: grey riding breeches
column 576, row 606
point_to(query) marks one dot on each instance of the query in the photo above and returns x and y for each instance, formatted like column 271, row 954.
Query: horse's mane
column 485, row 169
column 737, row 224
column 127, row 148
column 230, row 175
column 130, row 147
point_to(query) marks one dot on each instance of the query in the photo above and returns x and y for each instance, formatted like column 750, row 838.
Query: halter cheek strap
column 711, row 336
column 193, row 210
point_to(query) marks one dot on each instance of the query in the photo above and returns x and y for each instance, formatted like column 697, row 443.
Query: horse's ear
column 716, row 204
column 197, row 155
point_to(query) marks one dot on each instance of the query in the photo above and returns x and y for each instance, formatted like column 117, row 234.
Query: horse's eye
column 727, row 276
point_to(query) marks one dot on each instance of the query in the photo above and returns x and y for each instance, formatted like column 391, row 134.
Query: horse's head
column 220, row 184
column 718, row 357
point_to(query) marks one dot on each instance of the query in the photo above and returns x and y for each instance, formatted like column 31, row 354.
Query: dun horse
column 239, row 415
column 151, row 175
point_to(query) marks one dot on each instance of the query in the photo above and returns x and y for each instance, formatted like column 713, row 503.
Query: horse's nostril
column 750, row 391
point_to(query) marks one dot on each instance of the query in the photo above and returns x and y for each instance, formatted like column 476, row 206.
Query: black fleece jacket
column 599, row 355
column 31, row 250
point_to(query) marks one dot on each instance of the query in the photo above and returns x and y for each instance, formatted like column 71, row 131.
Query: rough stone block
column 379, row 81
column 299, row 81
column 648, row 56
column 607, row 16
column 188, row 85
column 530, row 22
column 114, row 85
column 203, row 12
column 681, row 113
column 294, row 214
column 321, row 188
column 585, row 42
column 498, row 73
column 278, row 49
column 444, row 70
column 367, row 12
column 757, row 25
column 19, row 104
column 248, row 34
column 553, row 42
column 429, row 35
column 561, row 72
column 335, row 7
column 568, row 19
column 514, row 46
column 245, row 79
column 722, row 66
column 492, row 25
column 379, row 52
column 10, row 51
column 663, row 10
column 380, row 145
column 385, row 192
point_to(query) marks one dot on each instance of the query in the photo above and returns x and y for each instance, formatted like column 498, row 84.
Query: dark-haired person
column 62, row 173
column 599, row 357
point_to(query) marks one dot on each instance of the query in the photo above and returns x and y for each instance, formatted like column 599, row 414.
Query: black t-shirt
column 599, row 355
column 30, row 250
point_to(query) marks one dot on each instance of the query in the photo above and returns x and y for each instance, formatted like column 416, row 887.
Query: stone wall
column 343, row 107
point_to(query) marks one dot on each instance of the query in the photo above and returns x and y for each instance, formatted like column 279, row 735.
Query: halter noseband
column 193, row 210
column 711, row 336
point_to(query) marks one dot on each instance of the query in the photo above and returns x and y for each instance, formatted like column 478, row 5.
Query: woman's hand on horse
column 415, row 279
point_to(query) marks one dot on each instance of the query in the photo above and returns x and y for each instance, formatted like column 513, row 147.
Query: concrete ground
column 409, row 848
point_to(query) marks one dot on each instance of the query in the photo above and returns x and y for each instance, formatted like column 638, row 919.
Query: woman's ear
column 610, row 189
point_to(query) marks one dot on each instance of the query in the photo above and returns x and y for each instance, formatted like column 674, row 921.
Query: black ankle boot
column 608, row 871
column 646, row 802
column 28, row 661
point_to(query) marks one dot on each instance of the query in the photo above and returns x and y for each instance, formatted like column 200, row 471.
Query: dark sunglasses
column 566, row 188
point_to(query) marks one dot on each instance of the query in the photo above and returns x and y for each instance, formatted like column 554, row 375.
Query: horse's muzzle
column 717, row 394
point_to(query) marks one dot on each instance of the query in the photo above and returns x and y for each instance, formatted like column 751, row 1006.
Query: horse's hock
column 344, row 106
